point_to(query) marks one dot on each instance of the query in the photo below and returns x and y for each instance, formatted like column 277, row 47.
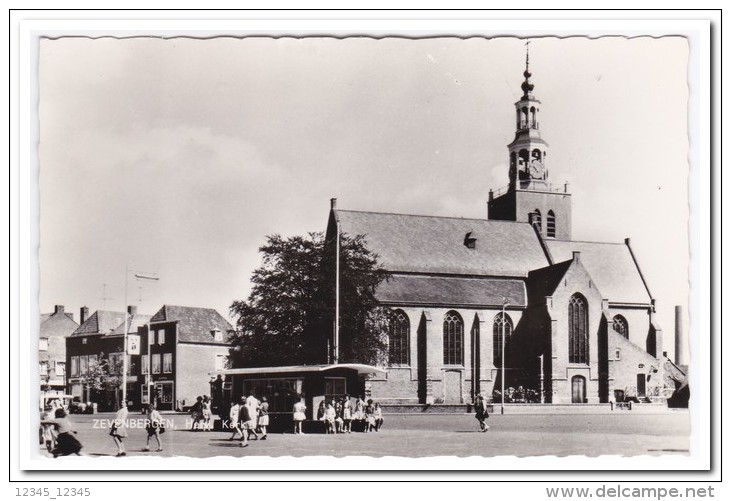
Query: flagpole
column 336, row 344
column 126, row 332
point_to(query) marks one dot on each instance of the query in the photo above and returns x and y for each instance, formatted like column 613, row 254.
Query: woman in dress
column 154, row 427
column 359, row 414
column 66, row 443
column 330, row 419
column 321, row 414
column 339, row 417
column 207, row 413
column 378, row 415
column 119, row 429
column 370, row 419
column 298, row 415
column 347, row 413
column 233, row 421
column 263, row 417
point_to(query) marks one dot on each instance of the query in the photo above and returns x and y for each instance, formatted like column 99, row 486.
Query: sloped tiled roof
column 610, row 265
column 451, row 291
column 429, row 244
column 194, row 325
column 543, row 282
column 57, row 325
column 133, row 322
column 100, row 322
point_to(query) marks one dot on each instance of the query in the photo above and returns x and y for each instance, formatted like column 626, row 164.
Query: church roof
column 430, row 244
column 543, row 282
column 610, row 265
column 451, row 291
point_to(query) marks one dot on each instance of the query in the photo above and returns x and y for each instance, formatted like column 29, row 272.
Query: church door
column 452, row 387
column 578, row 390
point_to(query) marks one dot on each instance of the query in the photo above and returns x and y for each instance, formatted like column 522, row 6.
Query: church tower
column 529, row 197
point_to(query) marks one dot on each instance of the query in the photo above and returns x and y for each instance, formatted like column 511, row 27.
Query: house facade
column 511, row 301
column 99, row 341
column 179, row 347
column 54, row 329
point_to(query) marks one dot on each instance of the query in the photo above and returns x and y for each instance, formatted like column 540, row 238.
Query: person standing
column 233, row 420
column 48, row 430
column 154, row 427
column 119, row 429
column 347, row 413
column 298, row 415
column 263, row 417
column 481, row 412
column 206, row 412
column 196, row 412
column 253, row 404
column 378, row 415
column 244, row 420
column 66, row 442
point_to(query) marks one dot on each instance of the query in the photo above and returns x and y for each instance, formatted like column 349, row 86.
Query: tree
column 288, row 317
column 105, row 374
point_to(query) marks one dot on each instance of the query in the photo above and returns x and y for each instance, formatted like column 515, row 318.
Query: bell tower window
column 551, row 224
column 536, row 219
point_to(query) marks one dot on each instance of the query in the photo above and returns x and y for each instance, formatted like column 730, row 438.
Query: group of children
column 202, row 414
column 338, row 415
column 249, row 417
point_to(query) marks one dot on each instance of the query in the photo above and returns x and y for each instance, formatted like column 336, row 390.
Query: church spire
column 528, row 150
column 527, row 85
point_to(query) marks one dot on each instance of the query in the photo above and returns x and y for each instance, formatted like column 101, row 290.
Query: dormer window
column 217, row 335
column 470, row 240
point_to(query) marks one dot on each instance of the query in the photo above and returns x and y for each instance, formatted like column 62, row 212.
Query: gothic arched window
column 551, row 224
column 398, row 339
column 536, row 219
column 620, row 326
column 578, row 330
column 453, row 339
column 498, row 324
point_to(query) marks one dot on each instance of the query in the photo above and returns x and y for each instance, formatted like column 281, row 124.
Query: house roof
column 610, row 265
column 100, row 322
column 451, row 291
column 57, row 325
column 194, row 325
column 430, row 244
column 133, row 322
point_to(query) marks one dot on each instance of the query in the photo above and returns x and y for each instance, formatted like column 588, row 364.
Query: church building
column 513, row 294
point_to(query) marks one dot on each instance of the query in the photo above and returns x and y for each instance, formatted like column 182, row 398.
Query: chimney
column 333, row 203
column 681, row 344
column 83, row 314
column 577, row 257
column 132, row 309
column 58, row 309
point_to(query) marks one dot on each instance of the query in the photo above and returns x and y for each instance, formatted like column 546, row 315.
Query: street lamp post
column 502, row 359
column 139, row 275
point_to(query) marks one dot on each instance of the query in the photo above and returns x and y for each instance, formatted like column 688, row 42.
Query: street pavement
column 424, row 435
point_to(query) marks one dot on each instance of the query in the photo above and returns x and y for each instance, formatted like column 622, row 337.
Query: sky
column 179, row 156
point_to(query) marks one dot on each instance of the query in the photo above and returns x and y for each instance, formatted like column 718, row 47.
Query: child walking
column 154, row 427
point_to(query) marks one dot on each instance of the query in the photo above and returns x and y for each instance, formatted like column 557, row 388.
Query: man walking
column 481, row 412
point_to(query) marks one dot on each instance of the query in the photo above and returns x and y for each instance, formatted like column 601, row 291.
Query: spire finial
column 527, row 86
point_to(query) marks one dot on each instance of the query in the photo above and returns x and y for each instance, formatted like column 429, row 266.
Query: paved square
column 618, row 433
